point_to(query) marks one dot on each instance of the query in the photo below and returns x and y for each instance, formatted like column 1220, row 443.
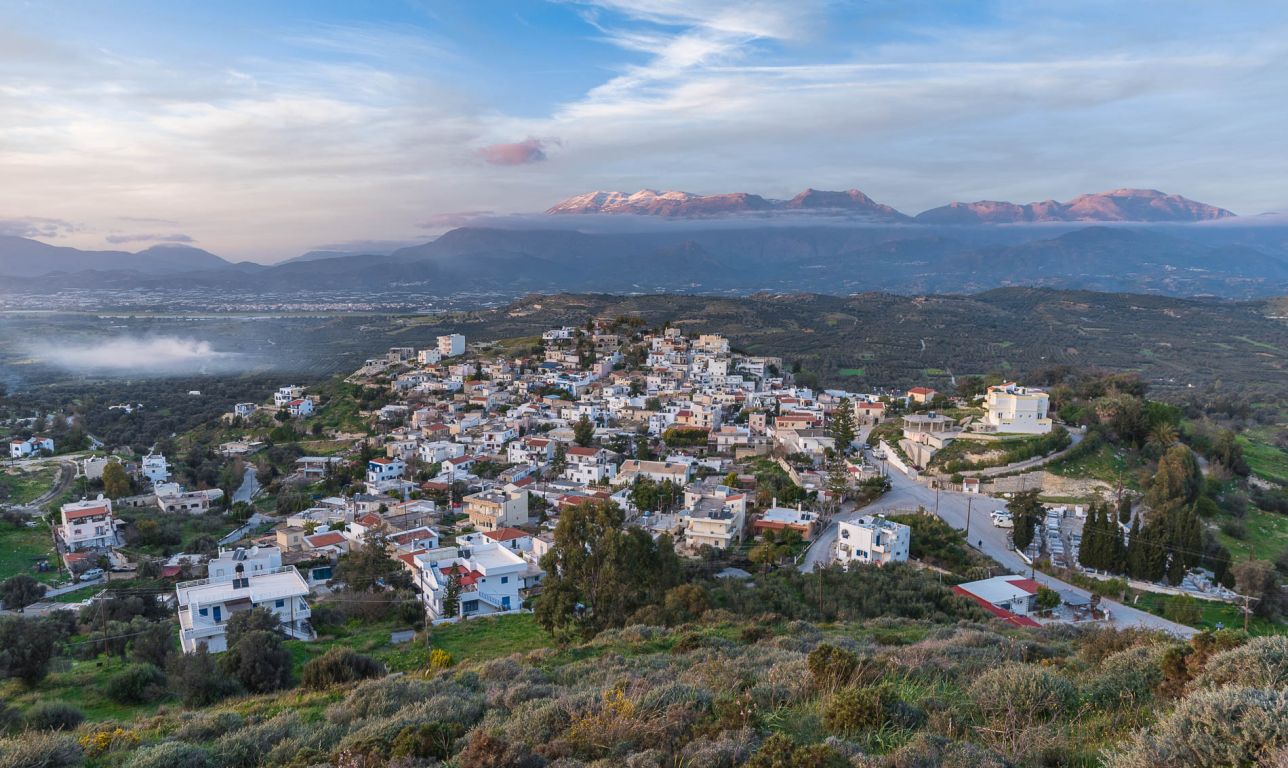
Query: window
column 204, row 612
column 280, row 603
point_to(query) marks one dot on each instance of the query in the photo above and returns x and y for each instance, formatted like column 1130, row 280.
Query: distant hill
column 22, row 257
column 1132, row 205
column 821, row 258
column 686, row 205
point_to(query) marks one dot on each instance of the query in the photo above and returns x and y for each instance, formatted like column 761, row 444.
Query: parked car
column 93, row 574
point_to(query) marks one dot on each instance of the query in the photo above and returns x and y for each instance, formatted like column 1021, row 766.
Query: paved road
column 63, row 480
column 252, row 523
column 248, row 488
column 908, row 494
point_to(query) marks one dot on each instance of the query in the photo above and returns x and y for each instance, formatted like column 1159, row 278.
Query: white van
column 93, row 574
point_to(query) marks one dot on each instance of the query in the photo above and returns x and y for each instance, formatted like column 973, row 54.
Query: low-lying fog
column 151, row 355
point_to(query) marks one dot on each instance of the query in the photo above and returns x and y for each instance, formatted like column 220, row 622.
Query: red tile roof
column 324, row 539
column 505, row 534
column 579, row 451
column 87, row 512
column 1010, row 618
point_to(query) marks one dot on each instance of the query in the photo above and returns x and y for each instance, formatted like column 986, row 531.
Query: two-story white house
column 88, row 525
column 155, row 468
column 589, row 466
column 1012, row 408
column 240, row 580
column 20, row 448
column 381, row 469
column 286, row 394
column 489, row 578
column 872, row 540
column 531, row 450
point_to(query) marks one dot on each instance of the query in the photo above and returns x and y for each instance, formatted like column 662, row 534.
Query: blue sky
column 260, row 130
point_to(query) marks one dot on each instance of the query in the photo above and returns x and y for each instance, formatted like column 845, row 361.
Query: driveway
column 249, row 487
column 953, row 508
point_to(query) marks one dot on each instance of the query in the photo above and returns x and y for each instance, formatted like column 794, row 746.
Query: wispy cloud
column 36, row 226
column 177, row 237
column 515, row 153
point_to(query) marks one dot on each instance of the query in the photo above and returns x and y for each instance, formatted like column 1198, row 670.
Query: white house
column 428, row 356
column 382, row 469
column 286, row 394
column 240, row 580
column 1012, row 408
column 657, row 471
column 21, row 449
column 489, row 575
column 245, row 409
column 1009, row 597
column 155, row 468
column 589, row 466
column 872, row 540
column 530, row 450
column 451, row 345
column 171, row 497
column 299, row 407
column 439, row 451
column 88, row 525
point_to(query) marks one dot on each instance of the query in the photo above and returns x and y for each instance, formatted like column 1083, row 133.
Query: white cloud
column 142, row 356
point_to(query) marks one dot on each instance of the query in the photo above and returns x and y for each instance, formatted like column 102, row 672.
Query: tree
column 1257, row 579
column 1227, row 450
column 197, row 678
column 155, row 645
column 1026, row 512
column 1048, row 598
column 560, row 461
column 115, row 482
column 259, row 662
column 583, row 432
column 598, row 574
column 452, row 595
column 26, row 647
column 245, row 622
column 370, row 567
column 20, row 591
column 838, row 481
column 1176, row 483
column 843, row 425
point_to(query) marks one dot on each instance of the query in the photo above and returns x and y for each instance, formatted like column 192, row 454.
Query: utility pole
column 969, row 500
column 937, row 504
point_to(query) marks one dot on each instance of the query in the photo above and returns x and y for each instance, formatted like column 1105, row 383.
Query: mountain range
column 1119, row 205
column 1116, row 241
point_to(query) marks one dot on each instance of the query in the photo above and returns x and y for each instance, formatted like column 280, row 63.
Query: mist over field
column 154, row 355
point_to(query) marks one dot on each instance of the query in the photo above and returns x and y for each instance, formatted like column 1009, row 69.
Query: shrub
column 852, row 710
column 246, row 747
column 339, row 665
column 1231, row 726
column 198, row 680
column 1262, row 663
column 1020, row 695
column 40, row 750
column 136, row 684
column 830, row 667
column 1129, row 677
column 440, row 659
column 779, row 751
column 259, row 662
column 435, row 740
column 927, row 751
column 1182, row 609
column 170, row 754
column 107, row 739
column 53, row 716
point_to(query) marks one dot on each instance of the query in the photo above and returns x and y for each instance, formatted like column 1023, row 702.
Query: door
column 217, row 612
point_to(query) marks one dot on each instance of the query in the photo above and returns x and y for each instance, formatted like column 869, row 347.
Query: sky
column 261, row 130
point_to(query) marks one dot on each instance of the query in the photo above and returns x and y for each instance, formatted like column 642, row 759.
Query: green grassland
column 1266, row 459
column 1107, row 463
column 24, row 486
column 21, row 547
column 1265, row 538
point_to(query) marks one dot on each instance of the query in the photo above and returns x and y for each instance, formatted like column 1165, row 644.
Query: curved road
column 907, row 494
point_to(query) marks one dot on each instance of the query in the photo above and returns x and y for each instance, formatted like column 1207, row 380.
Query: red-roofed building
column 330, row 540
column 88, row 525
column 590, row 466
column 1008, row 597
column 921, row 394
